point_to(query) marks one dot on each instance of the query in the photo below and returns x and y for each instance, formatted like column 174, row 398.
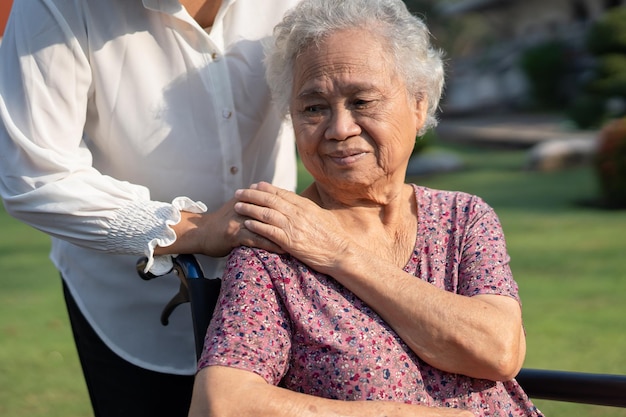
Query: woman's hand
column 295, row 224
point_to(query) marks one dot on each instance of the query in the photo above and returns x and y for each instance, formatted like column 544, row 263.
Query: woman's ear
column 421, row 111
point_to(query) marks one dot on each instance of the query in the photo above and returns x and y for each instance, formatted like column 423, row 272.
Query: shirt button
column 226, row 113
column 234, row 170
column 214, row 56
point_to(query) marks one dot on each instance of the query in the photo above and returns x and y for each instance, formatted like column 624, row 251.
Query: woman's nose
column 342, row 125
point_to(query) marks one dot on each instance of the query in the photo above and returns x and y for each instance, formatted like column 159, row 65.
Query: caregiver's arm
column 213, row 233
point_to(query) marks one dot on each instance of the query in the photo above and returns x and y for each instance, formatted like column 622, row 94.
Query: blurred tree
column 604, row 94
column 607, row 42
column 456, row 35
column 545, row 65
column 608, row 35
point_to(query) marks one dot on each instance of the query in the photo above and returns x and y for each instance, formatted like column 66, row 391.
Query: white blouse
column 110, row 110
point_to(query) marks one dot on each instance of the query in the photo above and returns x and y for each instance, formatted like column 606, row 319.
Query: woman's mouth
column 346, row 157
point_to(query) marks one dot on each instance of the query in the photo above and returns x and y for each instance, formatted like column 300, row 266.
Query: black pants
column 118, row 388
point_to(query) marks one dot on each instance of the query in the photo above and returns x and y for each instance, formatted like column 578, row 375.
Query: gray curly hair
column 413, row 56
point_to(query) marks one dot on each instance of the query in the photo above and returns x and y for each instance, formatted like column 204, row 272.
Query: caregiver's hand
column 215, row 234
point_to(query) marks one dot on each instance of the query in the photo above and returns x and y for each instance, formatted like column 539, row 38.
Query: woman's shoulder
column 245, row 257
column 430, row 196
column 243, row 252
column 444, row 205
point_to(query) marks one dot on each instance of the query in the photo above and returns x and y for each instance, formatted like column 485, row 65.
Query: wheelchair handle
column 194, row 288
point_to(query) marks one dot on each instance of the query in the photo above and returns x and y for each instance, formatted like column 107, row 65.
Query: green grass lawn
column 39, row 370
column 568, row 258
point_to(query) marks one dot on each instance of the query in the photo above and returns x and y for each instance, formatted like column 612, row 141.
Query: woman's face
column 355, row 124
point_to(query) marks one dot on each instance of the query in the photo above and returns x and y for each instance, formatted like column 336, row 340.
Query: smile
column 347, row 158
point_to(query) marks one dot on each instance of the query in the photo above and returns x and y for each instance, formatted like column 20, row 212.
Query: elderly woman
column 378, row 290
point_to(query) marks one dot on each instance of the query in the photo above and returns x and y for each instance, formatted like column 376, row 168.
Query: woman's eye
column 316, row 108
column 360, row 104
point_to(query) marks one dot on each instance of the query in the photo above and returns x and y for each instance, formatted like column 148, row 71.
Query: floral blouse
column 304, row 331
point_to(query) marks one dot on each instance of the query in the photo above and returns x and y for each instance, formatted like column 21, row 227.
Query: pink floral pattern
column 304, row 331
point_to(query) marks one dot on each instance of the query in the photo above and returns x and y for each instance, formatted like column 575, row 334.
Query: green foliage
column 612, row 64
column 606, row 41
column 587, row 111
column 609, row 34
column 545, row 66
column 610, row 80
column 610, row 163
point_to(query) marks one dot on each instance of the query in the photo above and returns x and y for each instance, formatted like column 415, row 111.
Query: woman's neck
column 388, row 226
column 203, row 11
column 386, row 209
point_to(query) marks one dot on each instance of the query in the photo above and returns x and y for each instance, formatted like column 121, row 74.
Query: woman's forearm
column 228, row 392
column 478, row 336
